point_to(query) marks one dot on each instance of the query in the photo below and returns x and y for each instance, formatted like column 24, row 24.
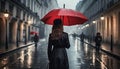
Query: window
column 2, row 6
column 18, row 12
column 11, row 6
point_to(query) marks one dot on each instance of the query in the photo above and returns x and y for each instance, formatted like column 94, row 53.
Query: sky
column 69, row 4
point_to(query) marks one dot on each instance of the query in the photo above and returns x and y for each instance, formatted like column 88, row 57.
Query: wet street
column 81, row 56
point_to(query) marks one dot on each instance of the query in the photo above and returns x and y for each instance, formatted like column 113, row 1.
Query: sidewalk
column 106, row 48
column 13, row 47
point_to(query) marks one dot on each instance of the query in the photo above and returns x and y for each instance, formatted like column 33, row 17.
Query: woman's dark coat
column 57, row 54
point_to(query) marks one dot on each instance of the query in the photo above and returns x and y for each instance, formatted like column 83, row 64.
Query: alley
column 81, row 56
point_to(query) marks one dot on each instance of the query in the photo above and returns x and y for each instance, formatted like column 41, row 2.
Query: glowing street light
column 6, row 14
column 94, row 21
column 87, row 25
column 102, row 18
column 29, row 22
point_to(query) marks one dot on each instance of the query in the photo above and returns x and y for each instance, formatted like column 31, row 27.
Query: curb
column 7, row 52
column 107, row 52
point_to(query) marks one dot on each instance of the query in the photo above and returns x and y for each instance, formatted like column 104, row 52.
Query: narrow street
column 81, row 56
column 89, row 24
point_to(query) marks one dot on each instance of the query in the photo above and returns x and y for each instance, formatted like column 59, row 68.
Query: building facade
column 24, row 17
column 104, row 17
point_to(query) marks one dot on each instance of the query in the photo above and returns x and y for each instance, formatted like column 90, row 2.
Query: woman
column 58, row 41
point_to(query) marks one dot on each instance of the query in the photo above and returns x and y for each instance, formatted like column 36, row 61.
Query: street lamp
column 102, row 21
column 17, row 43
column 6, row 15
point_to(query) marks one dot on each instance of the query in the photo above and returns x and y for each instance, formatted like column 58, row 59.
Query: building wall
column 109, row 26
column 21, row 12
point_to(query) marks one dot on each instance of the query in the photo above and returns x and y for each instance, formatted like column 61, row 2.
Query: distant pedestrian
column 82, row 36
column 36, row 39
column 98, row 40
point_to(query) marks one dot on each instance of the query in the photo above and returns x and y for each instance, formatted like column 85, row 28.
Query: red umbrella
column 68, row 16
column 33, row 32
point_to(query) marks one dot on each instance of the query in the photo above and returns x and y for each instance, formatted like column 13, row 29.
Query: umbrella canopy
column 68, row 16
column 33, row 32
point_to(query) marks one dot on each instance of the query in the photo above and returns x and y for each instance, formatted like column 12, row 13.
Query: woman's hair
column 57, row 29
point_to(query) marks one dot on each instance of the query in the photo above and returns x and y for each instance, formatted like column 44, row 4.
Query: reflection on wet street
column 27, row 58
column 81, row 56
